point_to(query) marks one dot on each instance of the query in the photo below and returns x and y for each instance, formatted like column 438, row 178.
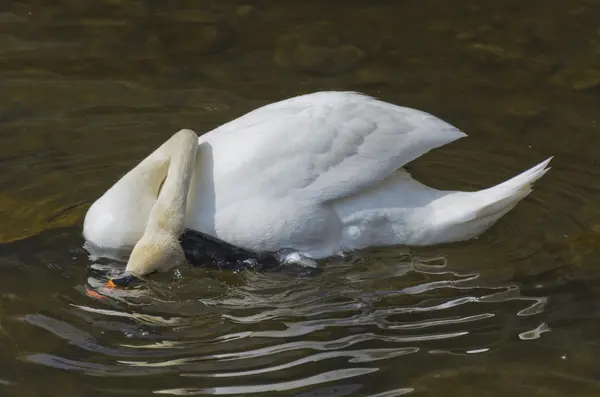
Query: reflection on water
column 89, row 88
column 371, row 324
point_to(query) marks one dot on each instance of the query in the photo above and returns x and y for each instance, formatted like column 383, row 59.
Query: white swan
column 312, row 176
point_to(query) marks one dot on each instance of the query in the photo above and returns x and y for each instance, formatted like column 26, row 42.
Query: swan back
column 326, row 145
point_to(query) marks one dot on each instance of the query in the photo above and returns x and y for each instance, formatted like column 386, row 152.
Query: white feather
column 317, row 175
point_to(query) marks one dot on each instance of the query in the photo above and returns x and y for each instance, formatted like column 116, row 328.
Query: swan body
column 313, row 176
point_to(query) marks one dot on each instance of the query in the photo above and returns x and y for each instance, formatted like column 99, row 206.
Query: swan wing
column 321, row 146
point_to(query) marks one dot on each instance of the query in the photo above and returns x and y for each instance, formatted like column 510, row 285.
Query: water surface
column 87, row 89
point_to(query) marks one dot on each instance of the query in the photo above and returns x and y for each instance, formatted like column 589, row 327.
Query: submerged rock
column 194, row 38
column 377, row 73
column 577, row 77
column 577, row 254
column 315, row 48
column 523, row 106
column 244, row 10
column 24, row 217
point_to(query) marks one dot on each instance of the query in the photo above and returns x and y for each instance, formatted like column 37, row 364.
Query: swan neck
column 168, row 214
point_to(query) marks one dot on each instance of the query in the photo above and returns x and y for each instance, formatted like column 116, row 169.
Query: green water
column 88, row 88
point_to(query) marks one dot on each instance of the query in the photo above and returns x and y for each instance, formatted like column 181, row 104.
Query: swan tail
column 489, row 205
column 404, row 211
column 513, row 190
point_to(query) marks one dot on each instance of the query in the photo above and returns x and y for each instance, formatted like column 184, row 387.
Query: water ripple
column 363, row 320
column 325, row 377
column 274, row 332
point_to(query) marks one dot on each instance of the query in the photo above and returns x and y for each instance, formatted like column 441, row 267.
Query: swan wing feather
column 322, row 146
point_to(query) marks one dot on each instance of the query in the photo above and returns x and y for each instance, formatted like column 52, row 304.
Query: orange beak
column 122, row 281
column 110, row 284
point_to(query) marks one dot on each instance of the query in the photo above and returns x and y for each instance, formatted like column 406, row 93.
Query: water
column 87, row 89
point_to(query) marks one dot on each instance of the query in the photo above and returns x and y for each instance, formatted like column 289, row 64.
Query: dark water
column 88, row 88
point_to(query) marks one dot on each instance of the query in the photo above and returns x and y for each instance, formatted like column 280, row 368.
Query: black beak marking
column 124, row 280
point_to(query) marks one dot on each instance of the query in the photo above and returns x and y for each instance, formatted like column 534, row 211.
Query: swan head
column 159, row 248
column 153, row 253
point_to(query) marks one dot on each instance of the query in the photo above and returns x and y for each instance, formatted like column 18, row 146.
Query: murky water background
column 89, row 88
